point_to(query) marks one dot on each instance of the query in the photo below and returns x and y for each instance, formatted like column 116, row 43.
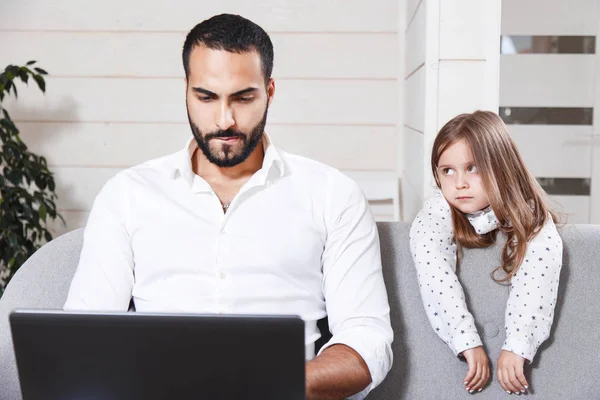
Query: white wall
column 452, row 56
column 115, row 94
column 418, row 40
column 556, row 80
column 595, row 190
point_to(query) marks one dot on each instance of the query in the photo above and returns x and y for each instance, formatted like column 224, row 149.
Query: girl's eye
column 472, row 169
column 448, row 171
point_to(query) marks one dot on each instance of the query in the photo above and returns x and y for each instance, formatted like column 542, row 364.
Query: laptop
column 128, row 356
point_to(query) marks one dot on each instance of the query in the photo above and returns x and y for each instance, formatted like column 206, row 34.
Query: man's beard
column 223, row 156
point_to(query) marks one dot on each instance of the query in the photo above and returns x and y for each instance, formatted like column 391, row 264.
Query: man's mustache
column 224, row 134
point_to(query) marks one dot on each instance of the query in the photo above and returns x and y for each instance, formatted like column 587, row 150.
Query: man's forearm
column 338, row 372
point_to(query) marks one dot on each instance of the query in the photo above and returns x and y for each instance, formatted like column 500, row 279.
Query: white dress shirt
column 299, row 238
column 533, row 290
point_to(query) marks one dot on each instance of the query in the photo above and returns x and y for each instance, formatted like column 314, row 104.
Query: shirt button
column 222, row 275
column 491, row 329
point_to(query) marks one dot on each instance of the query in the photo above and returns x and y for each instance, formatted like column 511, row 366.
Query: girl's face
column 460, row 180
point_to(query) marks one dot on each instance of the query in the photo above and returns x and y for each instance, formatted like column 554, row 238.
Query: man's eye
column 245, row 99
column 204, row 98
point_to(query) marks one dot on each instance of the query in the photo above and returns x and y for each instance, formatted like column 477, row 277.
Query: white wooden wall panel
column 181, row 16
column 595, row 189
column 158, row 55
column 554, row 151
column 366, row 148
column 414, row 102
column 413, row 174
column 548, row 80
column 460, row 88
column 456, row 42
column 555, row 80
column 411, row 7
column 549, row 17
column 595, row 192
column 576, row 209
column 415, row 42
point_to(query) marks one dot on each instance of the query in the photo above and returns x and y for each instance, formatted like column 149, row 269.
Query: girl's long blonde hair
column 519, row 202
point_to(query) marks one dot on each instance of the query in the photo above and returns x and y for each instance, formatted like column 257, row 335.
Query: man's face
column 227, row 103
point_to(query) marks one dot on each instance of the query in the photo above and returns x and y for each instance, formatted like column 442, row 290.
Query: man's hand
column 338, row 372
column 510, row 372
column 479, row 369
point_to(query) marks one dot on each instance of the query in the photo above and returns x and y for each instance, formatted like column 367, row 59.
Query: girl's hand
column 510, row 372
column 479, row 369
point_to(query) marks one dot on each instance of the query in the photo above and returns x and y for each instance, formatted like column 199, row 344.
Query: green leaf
column 40, row 82
column 6, row 115
column 24, row 75
column 12, row 240
column 42, row 211
column 9, row 125
column 15, row 176
column 40, row 183
column 14, row 88
column 24, row 211
column 28, row 212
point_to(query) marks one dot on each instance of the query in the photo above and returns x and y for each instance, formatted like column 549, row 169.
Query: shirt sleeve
column 533, row 293
column 434, row 255
column 104, row 278
column 353, row 287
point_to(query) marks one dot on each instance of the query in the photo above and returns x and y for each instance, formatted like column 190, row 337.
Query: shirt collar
column 483, row 221
column 182, row 165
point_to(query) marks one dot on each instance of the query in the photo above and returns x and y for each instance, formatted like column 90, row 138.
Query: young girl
column 486, row 189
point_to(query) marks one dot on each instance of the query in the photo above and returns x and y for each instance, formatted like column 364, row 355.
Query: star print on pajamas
column 530, row 307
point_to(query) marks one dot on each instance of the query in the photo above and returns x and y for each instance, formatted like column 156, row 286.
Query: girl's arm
column 534, row 288
column 434, row 255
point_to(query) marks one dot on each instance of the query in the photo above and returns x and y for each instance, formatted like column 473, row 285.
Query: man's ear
column 270, row 91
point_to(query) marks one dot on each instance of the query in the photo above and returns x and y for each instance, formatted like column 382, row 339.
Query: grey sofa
column 567, row 366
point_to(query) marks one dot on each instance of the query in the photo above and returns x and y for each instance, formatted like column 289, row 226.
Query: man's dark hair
column 231, row 33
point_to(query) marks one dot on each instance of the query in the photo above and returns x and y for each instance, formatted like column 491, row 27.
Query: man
column 231, row 224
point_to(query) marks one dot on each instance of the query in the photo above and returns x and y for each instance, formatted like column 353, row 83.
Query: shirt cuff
column 466, row 341
column 520, row 347
column 376, row 354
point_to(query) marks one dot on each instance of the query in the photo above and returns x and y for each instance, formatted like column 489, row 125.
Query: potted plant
column 27, row 188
